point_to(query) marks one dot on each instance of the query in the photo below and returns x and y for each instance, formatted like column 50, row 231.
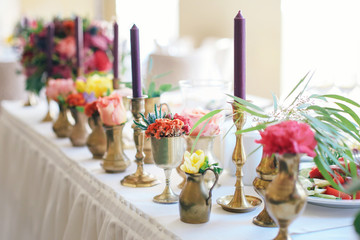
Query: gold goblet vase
column 285, row 196
column 167, row 153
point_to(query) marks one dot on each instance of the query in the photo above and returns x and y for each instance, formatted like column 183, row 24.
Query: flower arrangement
column 210, row 129
column 59, row 89
column 161, row 125
column 76, row 100
column 197, row 163
column 91, row 109
column 111, row 109
column 95, row 86
column 96, row 52
column 288, row 137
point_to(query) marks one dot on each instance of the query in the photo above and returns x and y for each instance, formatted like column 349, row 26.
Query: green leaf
column 204, row 118
column 79, row 108
column 256, row 128
column 275, row 102
column 151, row 90
column 165, row 87
column 297, row 85
column 242, row 107
column 246, row 103
column 357, row 223
column 350, row 112
column 199, row 134
column 341, row 98
column 160, row 75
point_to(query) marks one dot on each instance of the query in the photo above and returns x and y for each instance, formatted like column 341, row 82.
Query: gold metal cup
column 239, row 202
column 139, row 178
column 167, row 153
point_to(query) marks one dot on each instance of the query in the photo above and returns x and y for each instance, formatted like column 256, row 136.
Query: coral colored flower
column 112, row 110
column 66, row 47
column 288, row 137
column 211, row 129
column 164, row 127
column 91, row 108
column 193, row 162
column 102, row 61
column 75, row 99
column 59, row 88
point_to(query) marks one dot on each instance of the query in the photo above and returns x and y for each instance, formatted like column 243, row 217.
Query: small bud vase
column 195, row 198
column 79, row 133
column 62, row 126
column 115, row 159
column 285, row 196
column 96, row 141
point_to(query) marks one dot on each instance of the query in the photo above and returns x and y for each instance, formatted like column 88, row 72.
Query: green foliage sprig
column 151, row 117
column 206, row 165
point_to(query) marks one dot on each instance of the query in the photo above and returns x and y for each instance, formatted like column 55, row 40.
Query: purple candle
column 116, row 51
column 239, row 56
column 49, row 47
column 135, row 62
column 79, row 43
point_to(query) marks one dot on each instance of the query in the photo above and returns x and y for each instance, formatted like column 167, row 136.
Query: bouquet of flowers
column 59, row 89
column 161, row 125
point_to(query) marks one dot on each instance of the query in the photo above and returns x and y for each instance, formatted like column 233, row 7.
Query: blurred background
column 285, row 39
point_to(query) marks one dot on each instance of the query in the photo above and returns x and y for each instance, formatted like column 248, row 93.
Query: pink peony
column 66, row 47
column 211, row 129
column 288, row 137
column 100, row 42
column 59, row 88
column 112, row 110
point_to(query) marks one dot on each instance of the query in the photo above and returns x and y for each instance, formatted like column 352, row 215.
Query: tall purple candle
column 49, row 47
column 79, row 43
column 135, row 62
column 116, row 51
column 239, row 56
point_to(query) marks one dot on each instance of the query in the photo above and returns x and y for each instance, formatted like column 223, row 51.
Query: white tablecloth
column 50, row 190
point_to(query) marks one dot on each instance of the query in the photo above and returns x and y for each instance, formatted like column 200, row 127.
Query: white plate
column 334, row 203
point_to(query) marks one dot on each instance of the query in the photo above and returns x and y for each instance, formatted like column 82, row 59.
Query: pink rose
column 288, row 137
column 59, row 87
column 211, row 129
column 100, row 42
column 112, row 110
column 66, row 47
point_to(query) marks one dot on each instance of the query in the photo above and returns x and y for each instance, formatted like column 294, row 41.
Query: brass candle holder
column 239, row 202
column 49, row 116
column 139, row 178
column 266, row 172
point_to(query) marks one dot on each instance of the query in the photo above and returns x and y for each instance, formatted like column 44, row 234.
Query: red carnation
column 75, row 99
column 91, row 108
column 102, row 62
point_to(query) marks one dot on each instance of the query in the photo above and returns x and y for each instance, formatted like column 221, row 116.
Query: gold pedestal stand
column 266, row 171
column 239, row 202
column 139, row 178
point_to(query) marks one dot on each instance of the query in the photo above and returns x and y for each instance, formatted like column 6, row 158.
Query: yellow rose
column 99, row 85
column 80, row 85
column 193, row 162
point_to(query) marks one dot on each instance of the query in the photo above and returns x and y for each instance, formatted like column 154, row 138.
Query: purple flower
column 89, row 97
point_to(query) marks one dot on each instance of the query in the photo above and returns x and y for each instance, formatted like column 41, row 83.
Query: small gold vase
column 266, row 172
column 195, row 198
column 205, row 143
column 115, row 159
column 149, row 108
column 285, row 196
column 62, row 126
column 96, row 141
column 167, row 153
column 31, row 99
column 79, row 133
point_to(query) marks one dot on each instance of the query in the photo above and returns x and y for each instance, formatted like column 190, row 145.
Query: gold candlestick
column 267, row 171
column 139, row 178
column 116, row 83
column 49, row 115
column 239, row 202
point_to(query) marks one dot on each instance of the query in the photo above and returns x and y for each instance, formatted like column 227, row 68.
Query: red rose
column 101, row 60
column 75, row 99
column 288, row 137
column 91, row 108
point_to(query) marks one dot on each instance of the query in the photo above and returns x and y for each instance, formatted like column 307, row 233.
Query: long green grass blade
column 246, row 103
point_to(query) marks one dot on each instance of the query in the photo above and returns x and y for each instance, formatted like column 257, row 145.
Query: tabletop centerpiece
column 285, row 196
column 195, row 197
column 113, row 116
column 168, row 145
column 208, row 132
column 58, row 90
